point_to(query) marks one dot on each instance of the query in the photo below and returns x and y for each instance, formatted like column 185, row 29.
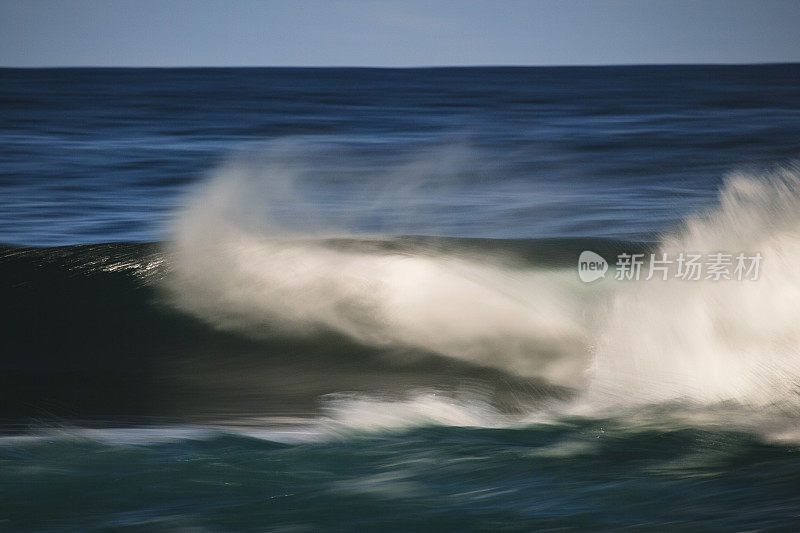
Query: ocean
column 338, row 299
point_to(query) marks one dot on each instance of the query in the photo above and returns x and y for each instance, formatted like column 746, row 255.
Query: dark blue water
column 103, row 155
column 340, row 299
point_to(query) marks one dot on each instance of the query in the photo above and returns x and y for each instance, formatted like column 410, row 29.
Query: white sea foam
column 238, row 266
column 710, row 341
column 421, row 408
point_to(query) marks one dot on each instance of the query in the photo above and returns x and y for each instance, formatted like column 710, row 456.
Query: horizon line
column 420, row 67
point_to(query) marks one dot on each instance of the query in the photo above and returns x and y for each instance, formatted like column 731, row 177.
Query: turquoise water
column 571, row 473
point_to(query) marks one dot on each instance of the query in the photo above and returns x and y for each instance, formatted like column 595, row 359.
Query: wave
column 91, row 333
column 523, row 321
column 296, row 316
column 241, row 266
column 615, row 343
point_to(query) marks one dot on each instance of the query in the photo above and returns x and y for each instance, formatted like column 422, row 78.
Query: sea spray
column 237, row 266
column 713, row 341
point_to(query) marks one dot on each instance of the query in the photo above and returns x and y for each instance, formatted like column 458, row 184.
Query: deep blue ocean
column 338, row 299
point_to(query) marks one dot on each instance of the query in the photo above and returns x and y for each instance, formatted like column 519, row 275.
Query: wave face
column 615, row 343
column 92, row 333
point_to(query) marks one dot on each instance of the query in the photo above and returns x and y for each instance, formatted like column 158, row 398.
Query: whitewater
column 615, row 344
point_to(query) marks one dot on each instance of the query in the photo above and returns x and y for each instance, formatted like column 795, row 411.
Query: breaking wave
column 239, row 266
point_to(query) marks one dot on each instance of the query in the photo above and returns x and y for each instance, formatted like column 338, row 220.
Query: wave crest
column 238, row 267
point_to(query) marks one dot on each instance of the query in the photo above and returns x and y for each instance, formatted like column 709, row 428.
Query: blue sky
column 385, row 33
